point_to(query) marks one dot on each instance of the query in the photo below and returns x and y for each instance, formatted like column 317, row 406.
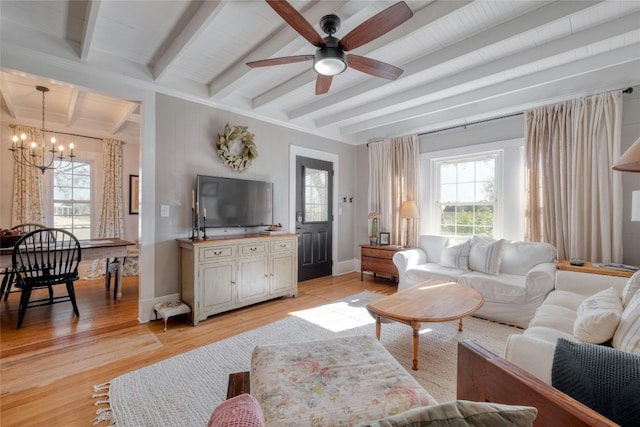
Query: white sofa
column 513, row 277
column 561, row 316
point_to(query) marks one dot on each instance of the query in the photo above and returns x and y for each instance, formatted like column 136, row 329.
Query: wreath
column 227, row 137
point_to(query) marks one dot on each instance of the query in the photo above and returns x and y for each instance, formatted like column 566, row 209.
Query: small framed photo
column 134, row 197
column 385, row 238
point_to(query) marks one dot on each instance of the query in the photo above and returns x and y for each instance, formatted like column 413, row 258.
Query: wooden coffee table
column 430, row 301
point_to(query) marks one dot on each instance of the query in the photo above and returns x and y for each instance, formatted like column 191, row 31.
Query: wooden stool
column 171, row 308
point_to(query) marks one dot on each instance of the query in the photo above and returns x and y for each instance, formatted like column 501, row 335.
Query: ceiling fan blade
column 374, row 67
column 296, row 21
column 279, row 61
column 323, row 83
column 376, row 26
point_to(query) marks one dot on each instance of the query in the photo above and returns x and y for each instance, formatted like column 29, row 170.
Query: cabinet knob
column 253, row 249
column 233, row 283
column 266, row 276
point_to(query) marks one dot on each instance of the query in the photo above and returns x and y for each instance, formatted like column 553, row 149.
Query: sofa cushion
column 485, row 255
column 627, row 336
column 520, row 257
column 603, row 378
column 432, row 245
column 598, row 317
column 501, row 288
column 431, row 270
column 239, row 411
column 555, row 317
column 631, row 288
column 460, row 413
column 456, row 256
column 567, row 299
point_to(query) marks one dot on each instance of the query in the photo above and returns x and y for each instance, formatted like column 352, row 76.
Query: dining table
column 111, row 248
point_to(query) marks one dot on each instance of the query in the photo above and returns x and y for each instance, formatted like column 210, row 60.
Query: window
column 466, row 194
column 316, row 195
column 72, row 199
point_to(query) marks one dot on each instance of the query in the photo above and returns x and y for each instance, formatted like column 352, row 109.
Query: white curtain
column 574, row 198
column 112, row 213
column 394, row 179
column 27, row 186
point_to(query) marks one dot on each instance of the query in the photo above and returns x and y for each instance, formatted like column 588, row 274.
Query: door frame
column 295, row 151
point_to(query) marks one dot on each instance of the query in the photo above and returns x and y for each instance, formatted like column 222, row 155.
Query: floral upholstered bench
column 340, row 381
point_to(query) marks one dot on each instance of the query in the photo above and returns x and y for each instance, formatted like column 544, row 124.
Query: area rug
column 184, row 389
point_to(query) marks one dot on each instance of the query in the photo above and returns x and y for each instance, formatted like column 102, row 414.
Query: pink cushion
column 239, row 411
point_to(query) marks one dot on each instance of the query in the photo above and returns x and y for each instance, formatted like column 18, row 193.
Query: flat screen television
column 232, row 202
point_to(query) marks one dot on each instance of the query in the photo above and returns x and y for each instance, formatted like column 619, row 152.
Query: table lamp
column 409, row 211
column 630, row 159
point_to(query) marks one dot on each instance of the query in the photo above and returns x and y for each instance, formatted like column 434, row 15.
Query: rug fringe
column 103, row 414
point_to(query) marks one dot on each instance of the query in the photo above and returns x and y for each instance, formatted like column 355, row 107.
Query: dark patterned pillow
column 603, row 378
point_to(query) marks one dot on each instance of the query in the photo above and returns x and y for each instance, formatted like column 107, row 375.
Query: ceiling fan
column 330, row 59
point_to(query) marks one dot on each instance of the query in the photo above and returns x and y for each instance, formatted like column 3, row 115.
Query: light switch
column 164, row 210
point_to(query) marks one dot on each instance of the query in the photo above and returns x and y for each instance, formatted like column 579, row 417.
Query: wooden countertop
column 210, row 239
column 588, row 267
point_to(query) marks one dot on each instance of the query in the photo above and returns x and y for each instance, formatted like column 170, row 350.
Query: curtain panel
column 574, row 198
column 112, row 211
column 27, row 186
column 394, row 179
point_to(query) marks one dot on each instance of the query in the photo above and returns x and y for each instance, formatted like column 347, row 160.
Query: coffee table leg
column 460, row 325
column 378, row 327
column 416, row 342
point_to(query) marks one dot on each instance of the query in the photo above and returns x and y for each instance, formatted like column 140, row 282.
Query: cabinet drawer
column 283, row 245
column 217, row 252
column 377, row 253
column 255, row 248
column 379, row 268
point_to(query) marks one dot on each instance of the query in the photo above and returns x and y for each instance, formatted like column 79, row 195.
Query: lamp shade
column 409, row 210
column 635, row 205
column 630, row 159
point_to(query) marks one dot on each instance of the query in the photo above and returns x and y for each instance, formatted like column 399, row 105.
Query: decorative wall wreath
column 227, row 138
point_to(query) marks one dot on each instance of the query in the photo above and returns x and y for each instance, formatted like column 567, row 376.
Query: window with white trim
column 467, row 194
column 72, row 198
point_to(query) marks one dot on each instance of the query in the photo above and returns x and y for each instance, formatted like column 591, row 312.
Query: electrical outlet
column 164, row 210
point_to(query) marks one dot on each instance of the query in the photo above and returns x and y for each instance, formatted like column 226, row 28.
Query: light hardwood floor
column 48, row 367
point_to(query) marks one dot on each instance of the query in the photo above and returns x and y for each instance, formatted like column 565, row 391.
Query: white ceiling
column 463, row 61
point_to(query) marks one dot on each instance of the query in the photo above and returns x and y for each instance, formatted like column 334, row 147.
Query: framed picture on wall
column 134, row 196
column 385, row 238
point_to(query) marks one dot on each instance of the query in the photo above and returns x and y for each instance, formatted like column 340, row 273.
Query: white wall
column 185, row 147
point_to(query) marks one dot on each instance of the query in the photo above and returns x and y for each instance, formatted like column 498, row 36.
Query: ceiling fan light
column 329, row 61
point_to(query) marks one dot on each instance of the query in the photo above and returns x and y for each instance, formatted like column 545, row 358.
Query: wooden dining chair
column 8, row 278
column 42, row 259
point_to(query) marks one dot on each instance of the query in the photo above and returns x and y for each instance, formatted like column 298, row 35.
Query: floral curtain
column 112, row 213
column 27, row 187
column 574, row 198
column 393, row 179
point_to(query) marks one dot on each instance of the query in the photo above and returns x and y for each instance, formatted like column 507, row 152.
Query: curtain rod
column 627, row 90
column 12, row 126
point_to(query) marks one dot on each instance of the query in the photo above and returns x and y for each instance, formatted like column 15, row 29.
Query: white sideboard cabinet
column 218, row 275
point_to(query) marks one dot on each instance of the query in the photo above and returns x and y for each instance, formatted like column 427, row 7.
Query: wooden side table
column 378, row 260
column 588, row 267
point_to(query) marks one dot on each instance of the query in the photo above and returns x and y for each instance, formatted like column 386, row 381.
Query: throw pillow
column 239, row 411
column 627, row 336
column 598, row 317
column 485, row 255
column 460, row 413
column 603, row 378
column 456, row 256
column 631, row 288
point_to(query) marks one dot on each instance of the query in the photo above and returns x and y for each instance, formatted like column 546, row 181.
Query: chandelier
column 34, row 154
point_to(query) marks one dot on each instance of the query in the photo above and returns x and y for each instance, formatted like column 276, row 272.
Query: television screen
column 232, row 202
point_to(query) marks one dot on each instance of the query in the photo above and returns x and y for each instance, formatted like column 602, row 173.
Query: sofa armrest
column 531, row 354
column 404, row 260
column 486, row 377
column 541, row 279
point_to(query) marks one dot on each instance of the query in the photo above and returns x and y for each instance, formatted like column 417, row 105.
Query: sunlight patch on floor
column 338, row 316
